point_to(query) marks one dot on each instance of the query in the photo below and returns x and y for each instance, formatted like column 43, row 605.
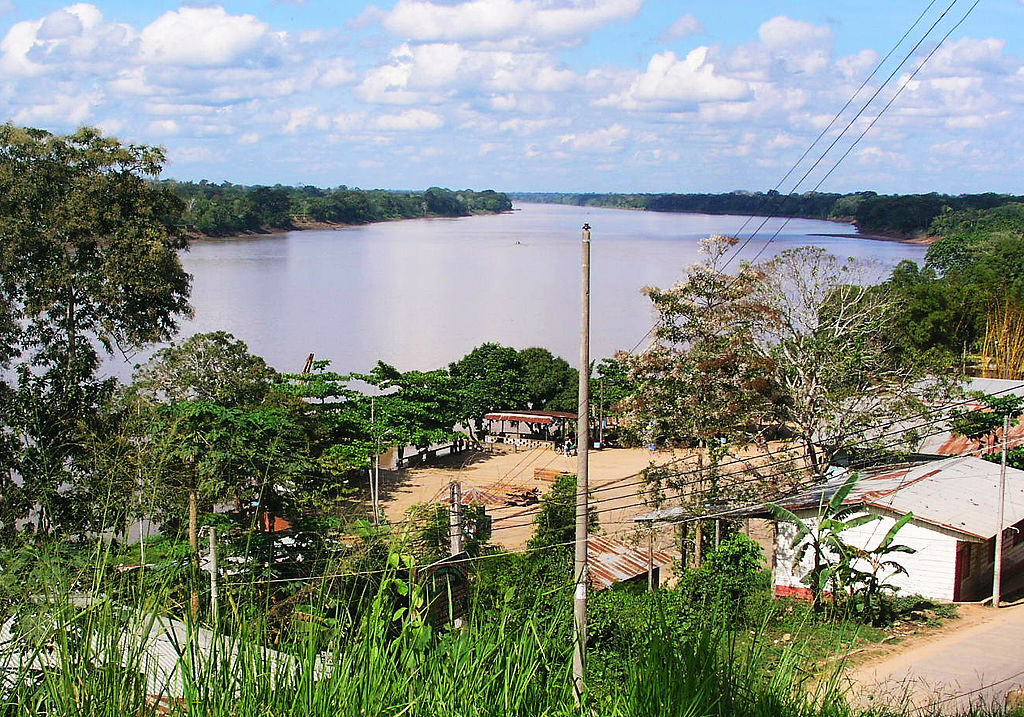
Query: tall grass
column 69, row 655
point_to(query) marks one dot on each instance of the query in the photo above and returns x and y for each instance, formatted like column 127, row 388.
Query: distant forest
column 902, row 215
column 228, row 209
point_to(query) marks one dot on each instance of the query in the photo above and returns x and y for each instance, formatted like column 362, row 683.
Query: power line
column 846, row 129
column 775, row 213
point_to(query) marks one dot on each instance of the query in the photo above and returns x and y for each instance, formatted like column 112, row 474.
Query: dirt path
column 614, row 483
column 977, row 658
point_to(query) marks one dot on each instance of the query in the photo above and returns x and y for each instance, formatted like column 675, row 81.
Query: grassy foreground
column 109, row 649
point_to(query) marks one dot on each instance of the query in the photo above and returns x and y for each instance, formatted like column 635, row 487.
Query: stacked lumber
column 522, row 496
column 549, row 475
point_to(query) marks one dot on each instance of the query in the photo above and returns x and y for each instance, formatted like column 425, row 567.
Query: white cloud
column 335, row 73
column 505, row 20
column 673, row 82
column 201, row 37
column 410, row 120
column 435, row 72
column 164, row 127
column 64, row 109
column 249, row 138
column 76, row 35
column 684, row 27
column 606, row 140
column 783, row 33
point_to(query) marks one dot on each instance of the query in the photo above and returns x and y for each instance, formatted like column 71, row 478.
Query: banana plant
column 822, row 537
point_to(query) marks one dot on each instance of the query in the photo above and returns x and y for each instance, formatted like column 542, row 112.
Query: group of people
column 566, row 447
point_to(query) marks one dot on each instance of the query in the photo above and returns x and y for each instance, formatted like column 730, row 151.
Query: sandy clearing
column 614, row 478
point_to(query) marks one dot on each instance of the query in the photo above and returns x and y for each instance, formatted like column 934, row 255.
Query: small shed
column 954, row 503
column 611, row 561
column 527, row 429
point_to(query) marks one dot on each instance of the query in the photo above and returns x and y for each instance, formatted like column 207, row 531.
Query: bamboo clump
column 1002, row 352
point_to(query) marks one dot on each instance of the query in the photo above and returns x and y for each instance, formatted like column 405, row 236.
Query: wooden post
column 214, row 612
column 997, row 567
column 650, row 559
column 455, row 518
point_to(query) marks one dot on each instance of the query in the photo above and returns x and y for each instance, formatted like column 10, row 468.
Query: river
column 423, row 292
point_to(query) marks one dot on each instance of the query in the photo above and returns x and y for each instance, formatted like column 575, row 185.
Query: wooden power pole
column 997, row 568
column 214, row 611
column 375, row 473
column 455, row 518
column 583, row 443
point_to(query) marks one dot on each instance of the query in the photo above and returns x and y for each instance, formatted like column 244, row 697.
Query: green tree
column 488, row 378
column 551, row 383
column 89, row 264
column 416, row 408
column 983, row 424
column 556, row 519
column 214, row 367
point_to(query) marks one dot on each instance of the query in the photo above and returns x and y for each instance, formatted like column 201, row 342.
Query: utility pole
column 997, row 568
column 583, row 443
column 455, row 518
column 650, row 559
column 600, row 417
column 375, row 478
column 214, row 612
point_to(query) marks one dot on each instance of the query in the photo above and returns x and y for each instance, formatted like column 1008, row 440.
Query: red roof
column 611, row 561
column 530, row 416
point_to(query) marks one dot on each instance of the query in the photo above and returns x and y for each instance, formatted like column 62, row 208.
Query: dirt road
column 948, row 672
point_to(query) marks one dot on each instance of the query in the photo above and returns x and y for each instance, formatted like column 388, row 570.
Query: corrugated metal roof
column 958, row 494
column 948, row 443
column 529, row 416
column 945, row 442
column 611, row 561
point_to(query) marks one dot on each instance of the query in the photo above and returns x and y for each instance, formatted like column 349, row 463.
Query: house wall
column 931, row 570
column 976, row 563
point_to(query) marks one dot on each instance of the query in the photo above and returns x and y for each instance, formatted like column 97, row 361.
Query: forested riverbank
column 226, row 209
column 898, row 216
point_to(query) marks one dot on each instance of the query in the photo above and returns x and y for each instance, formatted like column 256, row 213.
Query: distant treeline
column 903, row 215
column 226, row 209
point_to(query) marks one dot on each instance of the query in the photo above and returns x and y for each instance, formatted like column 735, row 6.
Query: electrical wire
column 775, row 213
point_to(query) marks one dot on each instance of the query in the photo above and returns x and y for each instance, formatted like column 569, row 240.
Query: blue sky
column 545, row 95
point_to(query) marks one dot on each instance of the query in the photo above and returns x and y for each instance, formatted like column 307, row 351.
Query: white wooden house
column 954, row 503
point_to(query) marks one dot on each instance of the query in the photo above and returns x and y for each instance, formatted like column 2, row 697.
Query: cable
column 879, row 116
column 848, row 126
column 775, row 213
column 786, row 452
column 752, row 480
column 789, row 451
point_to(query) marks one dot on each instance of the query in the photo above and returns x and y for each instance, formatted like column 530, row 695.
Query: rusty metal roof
column 611, row 561
column 956, row 494
column 530, row 416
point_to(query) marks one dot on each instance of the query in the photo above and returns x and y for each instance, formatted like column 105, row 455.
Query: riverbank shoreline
column 325, row 226
column 920, row 241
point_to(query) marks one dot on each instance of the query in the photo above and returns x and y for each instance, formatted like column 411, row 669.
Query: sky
column 536, row 95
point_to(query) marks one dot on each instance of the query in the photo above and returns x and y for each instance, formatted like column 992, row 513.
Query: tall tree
column 89, row 264
column 489, row 378
column 830, row 343
column 702, row 381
